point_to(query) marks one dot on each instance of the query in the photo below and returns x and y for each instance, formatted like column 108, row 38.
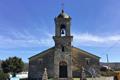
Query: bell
column 62, row 31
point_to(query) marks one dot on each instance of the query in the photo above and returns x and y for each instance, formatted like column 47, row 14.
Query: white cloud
column 94, row 40
column 25, row 41
column 86, row 37
column 83, row 39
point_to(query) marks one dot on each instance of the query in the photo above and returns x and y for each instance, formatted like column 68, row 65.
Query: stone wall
column 80, row 59
column 37, row 65
column 46, row 60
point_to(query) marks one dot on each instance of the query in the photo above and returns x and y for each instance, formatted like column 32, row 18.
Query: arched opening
column 62, row 30
column 63, row 69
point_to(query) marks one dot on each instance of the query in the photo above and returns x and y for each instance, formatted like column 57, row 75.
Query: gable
column 80, row 51
column 43, row 53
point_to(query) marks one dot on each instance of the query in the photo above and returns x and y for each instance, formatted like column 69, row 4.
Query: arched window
column 63, row 30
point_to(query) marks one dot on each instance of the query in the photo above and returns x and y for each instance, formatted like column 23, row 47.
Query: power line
column 116, row 43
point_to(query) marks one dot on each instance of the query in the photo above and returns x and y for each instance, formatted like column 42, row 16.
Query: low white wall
column 21, row 75
column 101, row 78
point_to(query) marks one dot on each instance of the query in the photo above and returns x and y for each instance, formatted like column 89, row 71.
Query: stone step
column 63, row 79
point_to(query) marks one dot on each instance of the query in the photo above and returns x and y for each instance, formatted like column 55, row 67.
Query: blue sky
column 27, row 26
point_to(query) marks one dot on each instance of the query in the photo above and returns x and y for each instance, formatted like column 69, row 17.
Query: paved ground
column 101, row 78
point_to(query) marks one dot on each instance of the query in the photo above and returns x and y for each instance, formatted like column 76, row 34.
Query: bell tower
column 62, row 54
column 62, row 23
column 62, row 30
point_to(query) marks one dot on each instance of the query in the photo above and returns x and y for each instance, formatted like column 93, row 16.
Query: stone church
column 63, row 61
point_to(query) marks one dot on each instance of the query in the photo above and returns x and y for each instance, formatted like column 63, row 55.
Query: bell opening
column 63, row 31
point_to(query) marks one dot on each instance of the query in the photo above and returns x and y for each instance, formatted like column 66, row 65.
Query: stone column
column 69, row 68
column 56, row 67
column 56, row 72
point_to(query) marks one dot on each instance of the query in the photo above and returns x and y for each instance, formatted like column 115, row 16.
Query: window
column 87, row 61
column 40, row 60
column 63, row 49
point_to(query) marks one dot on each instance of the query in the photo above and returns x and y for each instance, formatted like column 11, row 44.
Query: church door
column 63, row 70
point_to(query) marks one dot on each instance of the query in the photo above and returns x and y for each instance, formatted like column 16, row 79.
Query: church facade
column 63, row 61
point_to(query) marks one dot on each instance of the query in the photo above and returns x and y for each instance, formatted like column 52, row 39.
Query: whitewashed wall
column 21, row 75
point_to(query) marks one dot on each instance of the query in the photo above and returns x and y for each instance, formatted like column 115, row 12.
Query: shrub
column 4, row 76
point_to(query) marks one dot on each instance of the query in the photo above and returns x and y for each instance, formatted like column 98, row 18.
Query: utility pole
column 107, row 58
column 107, row 61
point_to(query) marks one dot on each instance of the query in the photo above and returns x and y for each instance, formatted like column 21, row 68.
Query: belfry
column 63, row 39
column 63, row 61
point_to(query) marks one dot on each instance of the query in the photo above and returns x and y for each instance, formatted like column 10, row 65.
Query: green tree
column 3, row 76
column 12, row 65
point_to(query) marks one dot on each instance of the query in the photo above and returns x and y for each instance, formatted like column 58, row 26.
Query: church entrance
column 63, row 69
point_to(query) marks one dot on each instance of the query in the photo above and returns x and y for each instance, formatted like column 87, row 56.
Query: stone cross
column 83, row 75
column 45, row 75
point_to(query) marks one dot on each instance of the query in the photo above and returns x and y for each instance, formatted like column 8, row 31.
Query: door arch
column 63, row 73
